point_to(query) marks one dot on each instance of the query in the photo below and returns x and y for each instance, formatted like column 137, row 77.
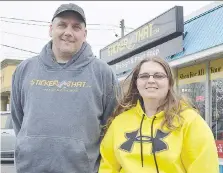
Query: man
column 60, row 100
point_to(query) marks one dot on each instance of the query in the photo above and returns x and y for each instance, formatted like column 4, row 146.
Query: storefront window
column 191, row 84
column 216, row 70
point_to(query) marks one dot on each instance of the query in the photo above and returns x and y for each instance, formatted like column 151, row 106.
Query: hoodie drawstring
column 141, row 146
column 154, row 154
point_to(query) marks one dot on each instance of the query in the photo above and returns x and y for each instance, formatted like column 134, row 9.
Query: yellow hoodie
column 190, row 149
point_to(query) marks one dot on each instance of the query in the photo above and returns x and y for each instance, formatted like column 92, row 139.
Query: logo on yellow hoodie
column 133, row 137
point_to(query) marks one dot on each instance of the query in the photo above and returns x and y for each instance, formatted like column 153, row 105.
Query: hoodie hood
column 139, row 110
column 82, row 58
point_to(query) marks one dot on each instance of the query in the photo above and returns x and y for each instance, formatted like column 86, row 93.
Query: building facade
column 199, row 68
column 8, row 67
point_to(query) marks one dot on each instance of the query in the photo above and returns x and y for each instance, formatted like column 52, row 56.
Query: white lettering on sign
column 136, row 59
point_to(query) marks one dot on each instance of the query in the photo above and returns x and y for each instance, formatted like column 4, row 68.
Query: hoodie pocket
column 56, row 155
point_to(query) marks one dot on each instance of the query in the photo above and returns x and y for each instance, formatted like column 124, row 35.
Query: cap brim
column 69, row 11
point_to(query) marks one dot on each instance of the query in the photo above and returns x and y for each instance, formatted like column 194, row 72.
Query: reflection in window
column 191, row 83
column 217, row 108
column 195, row 92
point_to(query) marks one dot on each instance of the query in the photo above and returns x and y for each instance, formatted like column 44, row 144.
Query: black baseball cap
column 70, row 7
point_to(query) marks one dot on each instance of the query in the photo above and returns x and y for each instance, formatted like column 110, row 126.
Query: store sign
column 192, row 74
column 164, row 50
column 216, row 69
column 219, row 145
column 166, row 25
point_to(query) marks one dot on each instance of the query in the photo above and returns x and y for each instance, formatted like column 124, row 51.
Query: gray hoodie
column 58, row 112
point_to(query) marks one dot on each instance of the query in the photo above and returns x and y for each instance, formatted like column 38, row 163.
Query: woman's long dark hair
column 172, row 105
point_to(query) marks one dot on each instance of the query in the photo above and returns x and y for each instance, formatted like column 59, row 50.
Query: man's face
column 68, row 33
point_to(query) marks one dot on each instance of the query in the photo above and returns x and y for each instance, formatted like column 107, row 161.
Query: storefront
column 216, row 71
column 191, row 83
column 195, row 52
column 203, row 84
column 199, row 69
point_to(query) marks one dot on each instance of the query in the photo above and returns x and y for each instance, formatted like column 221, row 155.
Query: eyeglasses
column 156, row 76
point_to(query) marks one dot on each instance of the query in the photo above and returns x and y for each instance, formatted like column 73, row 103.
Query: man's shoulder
column 26, row 63
column 102, row 65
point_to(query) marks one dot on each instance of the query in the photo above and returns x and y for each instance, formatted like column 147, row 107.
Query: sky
column 103, row 20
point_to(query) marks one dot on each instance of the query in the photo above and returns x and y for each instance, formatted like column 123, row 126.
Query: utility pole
column 122, row 26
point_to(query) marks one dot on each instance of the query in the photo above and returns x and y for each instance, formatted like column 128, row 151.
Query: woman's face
column 152, row 81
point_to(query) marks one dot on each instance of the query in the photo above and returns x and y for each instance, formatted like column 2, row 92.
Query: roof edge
column 197, row 57
column 203, row 11
column 7, row 62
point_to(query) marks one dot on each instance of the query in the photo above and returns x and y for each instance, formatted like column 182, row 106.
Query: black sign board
column 164, row 50
column 163, row 26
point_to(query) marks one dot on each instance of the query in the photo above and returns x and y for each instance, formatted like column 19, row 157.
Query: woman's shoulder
column 125, row 116
column 189, row 115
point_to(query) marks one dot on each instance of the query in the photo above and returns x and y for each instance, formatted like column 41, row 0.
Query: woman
column 154, row 131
